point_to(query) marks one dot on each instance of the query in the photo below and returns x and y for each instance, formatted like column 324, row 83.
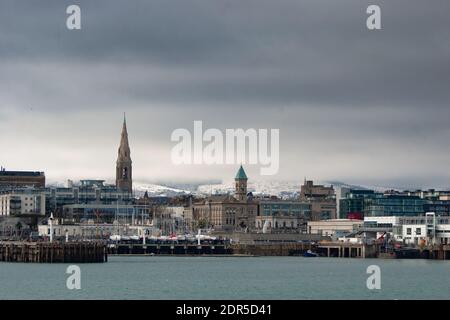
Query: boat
column 310, row 254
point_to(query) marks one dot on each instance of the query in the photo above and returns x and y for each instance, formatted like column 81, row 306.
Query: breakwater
column 170, row 249
column 45, row 252
column 272, row 249
column 269, row 249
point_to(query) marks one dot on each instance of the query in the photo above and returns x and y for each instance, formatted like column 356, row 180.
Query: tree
column 201, row 224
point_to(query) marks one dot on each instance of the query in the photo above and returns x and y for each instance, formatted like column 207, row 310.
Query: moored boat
column 310, row 254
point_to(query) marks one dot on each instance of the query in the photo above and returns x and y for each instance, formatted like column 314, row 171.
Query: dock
column 348, row 250
column 262, row 249
column 437, row 252
column 272, row 249
column 46, row 252
column 170, row 249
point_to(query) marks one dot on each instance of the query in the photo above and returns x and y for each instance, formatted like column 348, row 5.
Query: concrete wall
column 254, row 238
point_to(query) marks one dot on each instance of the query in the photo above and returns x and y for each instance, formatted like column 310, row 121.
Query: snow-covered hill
column 283, row 189
column 157, row 190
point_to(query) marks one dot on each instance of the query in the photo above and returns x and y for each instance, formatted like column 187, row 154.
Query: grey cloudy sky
column 355, row 105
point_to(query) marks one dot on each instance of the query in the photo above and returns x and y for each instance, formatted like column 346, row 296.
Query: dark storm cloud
column 262, row 52
column 310, row 68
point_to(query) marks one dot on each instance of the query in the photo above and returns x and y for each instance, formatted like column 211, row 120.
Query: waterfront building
column 341, row 193
column 367, row 203
column 170, row 220
column 334, row 227
column 277, row 215
column 227, row 212
column 382, row 222
column 124, row 176
column 22, row 203
column 440, row 206
column 10, row 179
column 351, row 206
column 88, row 192
column 321, row 198
column 94, row 230
column 91, row 199
column 424, row 230
column 105, row 213
column 393, row 205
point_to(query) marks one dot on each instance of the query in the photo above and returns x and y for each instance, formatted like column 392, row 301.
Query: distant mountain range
column 283, row 189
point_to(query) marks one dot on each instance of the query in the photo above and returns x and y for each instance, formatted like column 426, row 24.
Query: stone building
column 282, row 216
column 21, row 178
column 321, row 198
column 227, row 212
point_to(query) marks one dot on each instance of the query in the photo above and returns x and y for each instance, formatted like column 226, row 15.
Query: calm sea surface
column 162, row 277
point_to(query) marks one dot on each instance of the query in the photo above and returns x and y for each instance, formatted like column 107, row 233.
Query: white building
column 387, row 221
column 428, row 229
column 414, row 230
column 334, row 227
column 22, row 203
column 95, row 231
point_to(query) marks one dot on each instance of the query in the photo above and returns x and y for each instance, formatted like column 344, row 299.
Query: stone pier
column 45, row 252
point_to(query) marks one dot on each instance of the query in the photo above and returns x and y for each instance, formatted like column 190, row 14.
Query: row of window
column 418, row 231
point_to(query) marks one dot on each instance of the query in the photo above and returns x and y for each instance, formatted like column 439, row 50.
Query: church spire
column 124, row 148
column 123, row 165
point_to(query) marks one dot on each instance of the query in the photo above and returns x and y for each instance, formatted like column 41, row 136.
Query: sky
column 351, row 104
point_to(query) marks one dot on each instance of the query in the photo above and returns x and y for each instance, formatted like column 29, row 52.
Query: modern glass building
column 352, row 206
column 393, row 205
column 368, row 203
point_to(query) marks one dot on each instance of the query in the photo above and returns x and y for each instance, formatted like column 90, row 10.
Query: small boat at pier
column 310, row 254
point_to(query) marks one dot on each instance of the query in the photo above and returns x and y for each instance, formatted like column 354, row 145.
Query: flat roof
column 21, row 173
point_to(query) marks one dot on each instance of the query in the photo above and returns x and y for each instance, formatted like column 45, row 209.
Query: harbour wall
column 45, row 252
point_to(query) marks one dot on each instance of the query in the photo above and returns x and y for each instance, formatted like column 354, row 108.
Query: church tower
column 241, row 185
column 124, row 176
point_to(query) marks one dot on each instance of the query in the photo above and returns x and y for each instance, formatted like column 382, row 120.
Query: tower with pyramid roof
column 241, row 185
column 124, row 180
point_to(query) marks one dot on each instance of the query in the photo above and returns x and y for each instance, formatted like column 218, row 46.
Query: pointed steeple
column 123, row 165
column 241, row 174
column 124, row 148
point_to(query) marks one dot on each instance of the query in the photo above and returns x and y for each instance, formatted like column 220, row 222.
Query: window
column 408, row 231
column 418, row 231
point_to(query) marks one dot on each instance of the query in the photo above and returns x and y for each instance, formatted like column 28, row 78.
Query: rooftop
column 21, row 173
column 241, row 174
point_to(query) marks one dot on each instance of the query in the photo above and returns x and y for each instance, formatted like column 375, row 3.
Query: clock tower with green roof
column 241, row 185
